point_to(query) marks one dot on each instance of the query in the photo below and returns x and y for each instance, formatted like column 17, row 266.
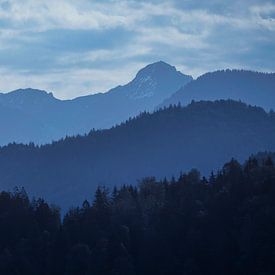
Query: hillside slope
column 253, row 88
column 202, row 135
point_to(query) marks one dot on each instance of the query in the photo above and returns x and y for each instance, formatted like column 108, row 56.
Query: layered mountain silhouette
column 202, row 135
column 254, row 88
column 29, row 115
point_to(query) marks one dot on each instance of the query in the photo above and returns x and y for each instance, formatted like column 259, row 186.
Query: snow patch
column 143, row 87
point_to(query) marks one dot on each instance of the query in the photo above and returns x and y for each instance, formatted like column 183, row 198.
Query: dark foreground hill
column 253, row 88
column 202, row 135
column 221, row 225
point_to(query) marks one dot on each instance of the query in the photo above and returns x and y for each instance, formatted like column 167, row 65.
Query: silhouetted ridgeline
column 253, row 88
column 202, row 135
column 41, row 118
column 191, row 225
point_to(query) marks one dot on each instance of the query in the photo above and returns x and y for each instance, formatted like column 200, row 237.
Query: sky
column 73, row 48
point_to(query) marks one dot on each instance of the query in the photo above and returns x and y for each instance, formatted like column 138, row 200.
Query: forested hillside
column 202, row 135
column 224, row 224
column 253, row 88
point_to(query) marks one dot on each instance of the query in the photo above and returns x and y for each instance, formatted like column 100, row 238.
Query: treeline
column 191, row 225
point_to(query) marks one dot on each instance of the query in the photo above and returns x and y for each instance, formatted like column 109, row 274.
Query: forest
column 223, row 224
column 203, row 135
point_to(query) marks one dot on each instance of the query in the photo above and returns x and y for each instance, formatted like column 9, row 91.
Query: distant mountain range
column 254, row 88
column 29, row 115
column 202, row 135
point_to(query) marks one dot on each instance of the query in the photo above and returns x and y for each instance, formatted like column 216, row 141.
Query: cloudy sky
column 78, row 47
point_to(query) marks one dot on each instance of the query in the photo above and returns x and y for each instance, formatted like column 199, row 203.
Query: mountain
column 254, row 88
column 154, row 81
column 43, row 118
column 13, row 124
column 30, row 100
column 23, row 117
column 202, row 135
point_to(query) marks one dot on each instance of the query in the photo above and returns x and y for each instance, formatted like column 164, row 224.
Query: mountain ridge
column 252, row 87
column 43, row 118
column 60, row 118
column 202, row 135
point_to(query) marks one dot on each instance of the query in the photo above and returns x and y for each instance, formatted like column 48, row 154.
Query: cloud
column 265, row 15
column 104, row 55
column 76, row 82
column 87, row 45
column 45, row 15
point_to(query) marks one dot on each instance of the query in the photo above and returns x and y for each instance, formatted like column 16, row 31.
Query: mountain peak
column 29, row 92
column 157, row 79
column 27, row 99
column 155, row 69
